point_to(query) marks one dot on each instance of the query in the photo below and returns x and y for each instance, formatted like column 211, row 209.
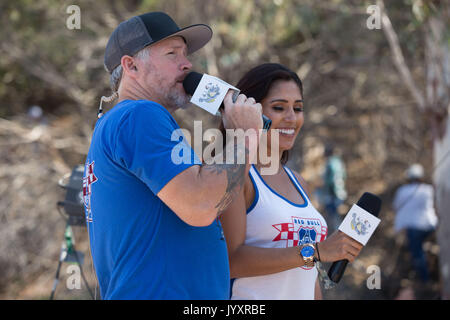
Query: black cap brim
column 196, row 36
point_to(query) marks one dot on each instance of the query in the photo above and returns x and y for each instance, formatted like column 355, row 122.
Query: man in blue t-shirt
column 152, row 221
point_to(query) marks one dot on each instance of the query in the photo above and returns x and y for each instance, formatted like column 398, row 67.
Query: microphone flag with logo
column 359, row 223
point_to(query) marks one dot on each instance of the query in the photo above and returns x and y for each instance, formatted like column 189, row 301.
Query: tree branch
column 399, row 60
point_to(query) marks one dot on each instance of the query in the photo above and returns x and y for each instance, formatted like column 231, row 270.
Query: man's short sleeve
column 148, row 144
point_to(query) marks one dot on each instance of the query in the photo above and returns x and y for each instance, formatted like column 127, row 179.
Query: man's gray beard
column 178, row 100
column 172, row 99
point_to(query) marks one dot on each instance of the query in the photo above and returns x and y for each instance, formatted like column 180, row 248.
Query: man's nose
column 186, row 65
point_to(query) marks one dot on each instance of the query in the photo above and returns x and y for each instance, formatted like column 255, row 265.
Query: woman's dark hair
column 257, row 82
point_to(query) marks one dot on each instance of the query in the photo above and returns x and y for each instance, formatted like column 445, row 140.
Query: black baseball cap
column 138, row 32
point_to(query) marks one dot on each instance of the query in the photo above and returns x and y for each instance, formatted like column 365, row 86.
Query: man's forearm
column 227, row 177
column 200, row 194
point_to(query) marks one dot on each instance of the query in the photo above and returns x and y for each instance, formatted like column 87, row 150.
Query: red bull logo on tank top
column 301, row 231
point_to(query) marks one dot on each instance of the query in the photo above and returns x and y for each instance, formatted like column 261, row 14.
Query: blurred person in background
column 415, row 213
column 333, row 192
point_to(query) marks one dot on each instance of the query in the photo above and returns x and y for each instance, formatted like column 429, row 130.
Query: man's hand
column 244, row 113
column 200, row 194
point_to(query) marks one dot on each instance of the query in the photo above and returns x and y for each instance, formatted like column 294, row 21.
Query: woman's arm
column 338, row 245
column 248, row 261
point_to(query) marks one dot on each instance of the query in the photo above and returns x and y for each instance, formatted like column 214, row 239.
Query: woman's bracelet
column 317, row 249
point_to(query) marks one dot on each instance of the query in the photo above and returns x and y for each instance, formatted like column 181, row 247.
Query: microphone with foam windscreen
column 191, row 82
column 370, row 203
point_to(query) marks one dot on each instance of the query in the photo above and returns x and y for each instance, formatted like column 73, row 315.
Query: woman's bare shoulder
column 302, row 181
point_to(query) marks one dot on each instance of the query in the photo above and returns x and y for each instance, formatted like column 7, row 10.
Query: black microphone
column 190, row 84
column 372, row 204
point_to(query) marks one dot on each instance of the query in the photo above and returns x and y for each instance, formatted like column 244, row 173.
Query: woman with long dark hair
column 273, row 232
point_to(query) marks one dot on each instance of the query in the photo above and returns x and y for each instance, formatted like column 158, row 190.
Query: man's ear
column 129, row 66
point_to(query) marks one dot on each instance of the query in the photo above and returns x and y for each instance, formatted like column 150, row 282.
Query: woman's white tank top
column 275, row 222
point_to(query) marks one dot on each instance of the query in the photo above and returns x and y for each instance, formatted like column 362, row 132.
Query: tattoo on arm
column 235, row 177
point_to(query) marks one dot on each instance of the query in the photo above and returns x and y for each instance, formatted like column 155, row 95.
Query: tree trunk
column 438, row 98
column 442, row 187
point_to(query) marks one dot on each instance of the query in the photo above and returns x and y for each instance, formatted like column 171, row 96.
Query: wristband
column 317, row 250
